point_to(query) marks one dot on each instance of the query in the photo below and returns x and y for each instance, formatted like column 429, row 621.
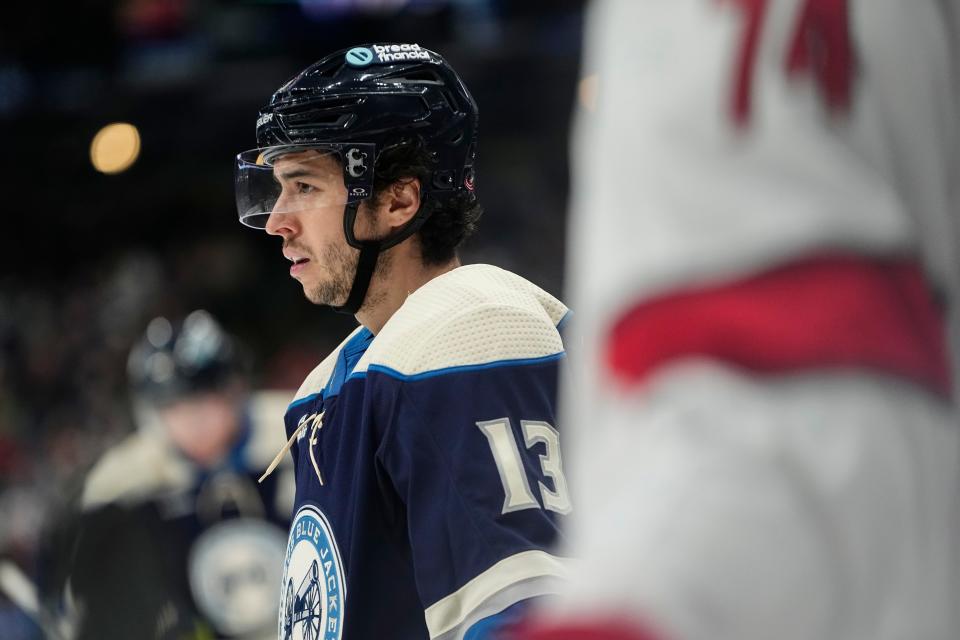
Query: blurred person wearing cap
column 765, row 261
column 176, row 538
column 430, row 485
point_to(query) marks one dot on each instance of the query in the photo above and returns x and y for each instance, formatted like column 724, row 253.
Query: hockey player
column 765, row 256
column 176, row 538
column 430, row 482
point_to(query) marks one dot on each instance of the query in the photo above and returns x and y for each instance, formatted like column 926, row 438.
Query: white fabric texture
column 667, row 193
column 472, row 315
column 816, row 507
column 700, row 199
column 823, row 506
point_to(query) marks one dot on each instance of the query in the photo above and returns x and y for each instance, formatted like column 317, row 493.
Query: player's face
column 312, row 228
column 202, row 426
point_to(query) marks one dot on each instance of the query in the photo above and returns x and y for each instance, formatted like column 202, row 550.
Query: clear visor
column 292, row 179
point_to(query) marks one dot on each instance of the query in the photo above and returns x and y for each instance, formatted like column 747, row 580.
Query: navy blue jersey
column 167, row 545
column 430, row 484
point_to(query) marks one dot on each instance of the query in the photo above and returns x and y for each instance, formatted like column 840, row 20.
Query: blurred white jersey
column 706, row 158
column 765, row 261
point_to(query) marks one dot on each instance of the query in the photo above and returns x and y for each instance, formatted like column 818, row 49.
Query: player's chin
column 323, row 294
column 313, row 295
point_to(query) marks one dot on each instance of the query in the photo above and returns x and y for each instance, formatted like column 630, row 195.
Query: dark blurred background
column 87, row 258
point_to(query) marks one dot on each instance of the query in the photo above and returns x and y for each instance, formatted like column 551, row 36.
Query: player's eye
column 303, row 188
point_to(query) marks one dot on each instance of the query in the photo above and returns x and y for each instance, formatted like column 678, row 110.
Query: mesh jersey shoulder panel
column 472, row 315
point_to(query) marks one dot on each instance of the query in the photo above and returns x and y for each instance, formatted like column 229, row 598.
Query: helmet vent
column 318, row 107
column 419, row 75
column 329, row 113
column 326, row 69
column 316, row 119
column 451, row 99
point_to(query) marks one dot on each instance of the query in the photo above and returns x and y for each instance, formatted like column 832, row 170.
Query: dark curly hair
column 451, row 220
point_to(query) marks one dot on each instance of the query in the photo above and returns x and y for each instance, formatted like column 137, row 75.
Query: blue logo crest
column 312, row 592
column 359, row 56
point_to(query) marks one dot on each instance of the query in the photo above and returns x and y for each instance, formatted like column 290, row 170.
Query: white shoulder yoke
column 473, row 315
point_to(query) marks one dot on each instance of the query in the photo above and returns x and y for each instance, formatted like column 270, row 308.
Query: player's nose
column 281, row 224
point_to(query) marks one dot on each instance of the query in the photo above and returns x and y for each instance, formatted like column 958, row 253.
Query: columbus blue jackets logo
column 312, row 592
column 233, row 569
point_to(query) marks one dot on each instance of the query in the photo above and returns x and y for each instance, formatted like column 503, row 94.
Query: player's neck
column 406, row 274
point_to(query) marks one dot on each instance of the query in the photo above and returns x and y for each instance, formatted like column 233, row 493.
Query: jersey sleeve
column 473, row 453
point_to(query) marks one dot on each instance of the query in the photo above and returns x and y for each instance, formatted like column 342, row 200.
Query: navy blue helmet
column 174, row 360
column 380, row 94
column 355, row 104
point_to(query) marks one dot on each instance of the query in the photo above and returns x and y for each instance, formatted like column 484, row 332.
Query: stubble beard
column 341, row 264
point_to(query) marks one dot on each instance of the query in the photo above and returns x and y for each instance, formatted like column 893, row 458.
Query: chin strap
column 369, row 252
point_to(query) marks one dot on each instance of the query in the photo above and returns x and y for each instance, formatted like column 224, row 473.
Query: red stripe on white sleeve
column 823, row 312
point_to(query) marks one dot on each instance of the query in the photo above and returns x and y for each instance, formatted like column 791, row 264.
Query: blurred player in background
column 176, row 539
column 430, row 483
column 765, row 267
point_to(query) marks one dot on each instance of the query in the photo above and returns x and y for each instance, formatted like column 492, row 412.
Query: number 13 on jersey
column 506, row 454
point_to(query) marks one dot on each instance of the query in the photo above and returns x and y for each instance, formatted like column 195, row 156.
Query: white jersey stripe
column 446, row 614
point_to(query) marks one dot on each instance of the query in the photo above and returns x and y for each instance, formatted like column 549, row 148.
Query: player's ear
column 400, row 202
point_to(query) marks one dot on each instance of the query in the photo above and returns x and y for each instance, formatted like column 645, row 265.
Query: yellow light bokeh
column 115, row 148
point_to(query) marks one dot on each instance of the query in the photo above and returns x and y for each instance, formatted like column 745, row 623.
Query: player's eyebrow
column 295, row 173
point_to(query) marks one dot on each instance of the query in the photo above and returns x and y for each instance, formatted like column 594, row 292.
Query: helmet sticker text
column 362, row 56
